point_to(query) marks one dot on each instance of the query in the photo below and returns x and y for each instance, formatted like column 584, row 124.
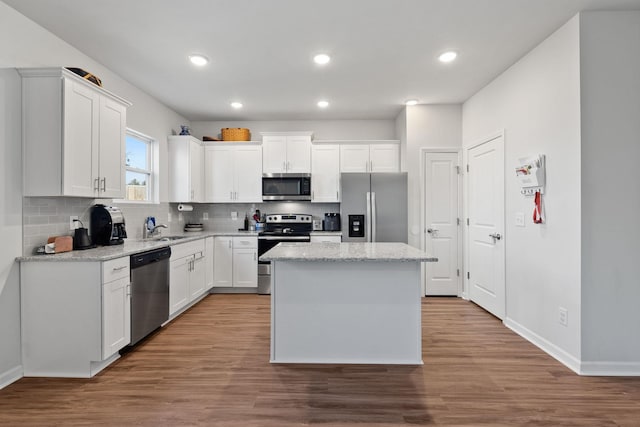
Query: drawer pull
column 119, row 268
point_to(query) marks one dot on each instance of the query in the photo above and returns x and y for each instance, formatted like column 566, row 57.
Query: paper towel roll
column 185, row 208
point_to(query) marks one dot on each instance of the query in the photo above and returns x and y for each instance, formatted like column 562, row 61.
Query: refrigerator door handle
column 373, row 217
column 367, row 220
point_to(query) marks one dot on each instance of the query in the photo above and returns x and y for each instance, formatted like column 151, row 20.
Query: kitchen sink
column 166, row 238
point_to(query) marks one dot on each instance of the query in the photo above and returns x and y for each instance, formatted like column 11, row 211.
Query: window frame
column 152, row 182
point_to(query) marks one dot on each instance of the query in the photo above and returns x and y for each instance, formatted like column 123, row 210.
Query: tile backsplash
column 49, row 216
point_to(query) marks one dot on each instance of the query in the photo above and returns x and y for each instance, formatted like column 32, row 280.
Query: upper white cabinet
column 370, row 157
column 233, row 173
column 74, row 136
column 186, row 161
column 286, row 152
column 325, row 173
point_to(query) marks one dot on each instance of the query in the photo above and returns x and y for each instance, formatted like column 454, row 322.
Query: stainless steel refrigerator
column 374, row 207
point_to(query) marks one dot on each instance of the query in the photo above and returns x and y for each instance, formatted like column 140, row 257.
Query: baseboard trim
column 611, row 369
column 551, row 349
column 11, row 376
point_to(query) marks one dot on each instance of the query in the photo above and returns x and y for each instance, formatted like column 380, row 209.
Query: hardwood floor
column 211, row 367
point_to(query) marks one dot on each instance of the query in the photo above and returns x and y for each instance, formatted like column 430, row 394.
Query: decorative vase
column 184, row 130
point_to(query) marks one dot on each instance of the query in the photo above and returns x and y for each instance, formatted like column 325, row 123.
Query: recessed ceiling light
column 236, row 105
column 199, row 60
column 321, row 59
column 323, row 104
column 448, row 56
column 411, row 102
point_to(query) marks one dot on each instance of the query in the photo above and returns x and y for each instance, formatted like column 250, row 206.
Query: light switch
column 519, row 219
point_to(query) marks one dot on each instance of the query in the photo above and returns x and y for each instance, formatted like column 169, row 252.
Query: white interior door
column 441, row 221
column 486, row 226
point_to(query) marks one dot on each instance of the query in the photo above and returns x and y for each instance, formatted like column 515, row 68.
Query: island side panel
column 346, row 312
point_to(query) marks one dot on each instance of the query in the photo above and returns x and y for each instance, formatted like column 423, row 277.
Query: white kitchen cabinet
column 233, row 173
column 186, row 164
column 187, row 276
column 223, row 261
column 287, row 152
column 236, row 262
column 75, row 316
column 74, row 136
column 374, row 157
column 325, row 173
column 208, row 253
column 324, row 238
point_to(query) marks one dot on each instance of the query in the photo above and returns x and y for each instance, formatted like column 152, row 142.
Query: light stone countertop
column 130, row 247
column 346, row 252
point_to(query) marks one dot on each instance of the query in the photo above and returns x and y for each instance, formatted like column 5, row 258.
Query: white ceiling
column 383, row 51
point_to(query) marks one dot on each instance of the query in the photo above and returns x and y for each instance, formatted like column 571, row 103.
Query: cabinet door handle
column 288, row 166
column 230, row 195
column 104, row 184
column 337, row 195
column 129, row 289
column 313, row 195
column 255, row 256
column 96, row 184
column 229, row 244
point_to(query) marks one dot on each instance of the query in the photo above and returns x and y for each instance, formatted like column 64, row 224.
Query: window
column 139, row 167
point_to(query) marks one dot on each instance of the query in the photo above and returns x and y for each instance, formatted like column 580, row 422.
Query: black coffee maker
column 107, row 225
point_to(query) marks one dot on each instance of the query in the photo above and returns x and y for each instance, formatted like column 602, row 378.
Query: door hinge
column 467, row 167
column 468, row 275
column 458, row 221
column 458, row 272
column 467, row 221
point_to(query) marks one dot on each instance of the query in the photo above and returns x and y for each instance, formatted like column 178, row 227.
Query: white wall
column 427, row 126
column 25, row 44
column 322, row 129
column 10, row 224
column 537, row 103
column 610, row 76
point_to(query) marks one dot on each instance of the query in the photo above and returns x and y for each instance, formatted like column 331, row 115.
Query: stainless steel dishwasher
column 149, row 292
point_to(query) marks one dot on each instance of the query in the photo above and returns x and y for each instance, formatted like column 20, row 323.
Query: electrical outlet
column 563, row 316
column 205, row 216
column 72, row 222
column 234, row 215
column 519, row 219
column 180, row 217
column 169, row 217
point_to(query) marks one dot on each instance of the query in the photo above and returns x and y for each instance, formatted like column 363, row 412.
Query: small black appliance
column 81, row 239
column 331, row 222
column 107, row 225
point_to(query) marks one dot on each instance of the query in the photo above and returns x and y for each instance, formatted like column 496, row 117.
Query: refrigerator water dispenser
column 356, row 225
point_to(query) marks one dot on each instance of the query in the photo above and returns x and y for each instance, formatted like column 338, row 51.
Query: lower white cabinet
column 235, row 262
column 187, row 274
column 75, row 316
column 322, row 238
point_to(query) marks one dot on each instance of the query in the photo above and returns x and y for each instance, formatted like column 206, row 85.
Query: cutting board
column 63, row 243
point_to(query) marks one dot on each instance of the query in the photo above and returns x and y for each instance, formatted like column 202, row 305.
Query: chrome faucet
column 150, row 229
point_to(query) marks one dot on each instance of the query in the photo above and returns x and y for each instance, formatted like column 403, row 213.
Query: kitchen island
column 346, row 303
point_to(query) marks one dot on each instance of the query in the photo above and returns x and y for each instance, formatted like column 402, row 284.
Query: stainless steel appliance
column 107, row 225
column 332, row 221
column 149, row 292
column 286, row 186
column 280, row 228
column 374, row 206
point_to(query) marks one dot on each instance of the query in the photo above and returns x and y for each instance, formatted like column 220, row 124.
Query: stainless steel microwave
column 286, row 186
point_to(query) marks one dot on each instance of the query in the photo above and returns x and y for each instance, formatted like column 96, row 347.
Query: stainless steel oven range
column 280, row 228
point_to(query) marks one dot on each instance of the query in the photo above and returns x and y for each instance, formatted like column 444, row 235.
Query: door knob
column 496, row 236
column 431, row 230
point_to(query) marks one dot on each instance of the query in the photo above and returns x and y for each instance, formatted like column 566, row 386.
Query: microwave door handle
column 367, row 220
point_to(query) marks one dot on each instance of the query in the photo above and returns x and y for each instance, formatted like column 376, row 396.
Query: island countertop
column 346, row 252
